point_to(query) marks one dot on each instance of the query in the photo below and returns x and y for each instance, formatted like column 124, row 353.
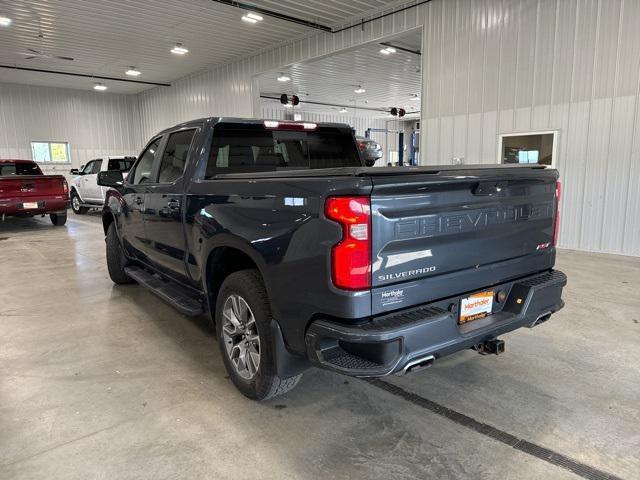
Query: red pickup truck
column 25, row 192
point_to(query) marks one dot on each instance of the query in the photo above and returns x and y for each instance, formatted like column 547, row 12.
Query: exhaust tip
column 418, row 363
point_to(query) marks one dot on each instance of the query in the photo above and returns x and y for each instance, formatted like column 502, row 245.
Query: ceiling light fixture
column 283, row 78
column 388, row 51
column 5, row 21
column 179, row 49
column 359, row 89
column 252, row 18
column 344, row 110
column 101, row 87
column 133, row 72
column 255, row 16
column 415, row 97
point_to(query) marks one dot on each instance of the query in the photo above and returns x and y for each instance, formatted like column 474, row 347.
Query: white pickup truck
column 84, row 191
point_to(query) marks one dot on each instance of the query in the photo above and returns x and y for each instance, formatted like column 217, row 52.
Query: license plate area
column 476, row 306
column 30, row 205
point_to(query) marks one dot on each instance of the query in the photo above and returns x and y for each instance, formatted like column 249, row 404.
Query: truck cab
column 85, row 191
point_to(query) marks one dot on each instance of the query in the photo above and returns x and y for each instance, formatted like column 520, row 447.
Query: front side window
column 50, row 152
column 256, row 149
column 96, row 166
column 142, row 172
column 88, row 168
column 175, row 155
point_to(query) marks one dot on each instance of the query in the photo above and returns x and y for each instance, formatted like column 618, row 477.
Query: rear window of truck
column 256, row 149
column 12, row 169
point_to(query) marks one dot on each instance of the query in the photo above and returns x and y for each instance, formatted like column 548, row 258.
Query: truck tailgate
column 446, row 233
column 32, row 186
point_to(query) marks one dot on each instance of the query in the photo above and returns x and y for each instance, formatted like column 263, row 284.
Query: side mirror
column 110, row 178
column 74, row 171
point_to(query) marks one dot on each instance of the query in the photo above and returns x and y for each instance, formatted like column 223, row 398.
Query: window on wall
column 50, row 152
column 528, row 148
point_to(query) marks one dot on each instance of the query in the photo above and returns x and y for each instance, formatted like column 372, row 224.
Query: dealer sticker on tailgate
column 476, row 306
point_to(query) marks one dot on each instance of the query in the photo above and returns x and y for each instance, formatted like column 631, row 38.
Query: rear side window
column 256, row 149
column 12, row 169
column 175, row 155
column 121, row 164
column 142, row 171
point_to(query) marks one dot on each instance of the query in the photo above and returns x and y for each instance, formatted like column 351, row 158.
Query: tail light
column 351, row 257
column 65, row 186
column 278, row 125
column 361, row 146
column 556, row 220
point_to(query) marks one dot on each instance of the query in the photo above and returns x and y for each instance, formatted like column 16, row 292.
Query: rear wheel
column 243, row 319
column 58, row 219
column 116, row 260
column 76, row 204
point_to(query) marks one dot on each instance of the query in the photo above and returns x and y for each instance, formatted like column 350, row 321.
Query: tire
column 263, row 382
column 116, row 261
column 58, row 219
column 75, row 204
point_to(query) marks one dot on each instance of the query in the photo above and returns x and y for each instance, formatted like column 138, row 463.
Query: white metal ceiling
column 105, row 37
column 389, row 80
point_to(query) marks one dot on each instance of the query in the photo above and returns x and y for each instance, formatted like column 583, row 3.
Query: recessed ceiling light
column 283, row 78
column 250, row 19
column 101, row 87
column 255, row 16
column 179, row 49
column 133, row 72
column 388, row 51
column 343, row 110
column 359, row 89
column 5, row 21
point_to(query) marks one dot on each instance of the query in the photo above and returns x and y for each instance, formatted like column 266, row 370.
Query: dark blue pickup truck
column 303, row 256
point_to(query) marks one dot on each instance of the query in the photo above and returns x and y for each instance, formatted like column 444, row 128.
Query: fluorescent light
column 359, row 89
column 415, row 97
column 248, row 19
column 384, row 51
column 101, row 87
column 288, row 105
column 343, row 110
column 179, row 49
column 284, row 78
column 5, row 21
column 133, row 72
column 255, row 16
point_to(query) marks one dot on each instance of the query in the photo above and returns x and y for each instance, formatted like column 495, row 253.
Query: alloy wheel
column 240, row 335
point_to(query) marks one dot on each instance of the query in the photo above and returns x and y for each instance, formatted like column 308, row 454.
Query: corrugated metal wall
column 500, row 66
column 490, row 67
column 94, row 124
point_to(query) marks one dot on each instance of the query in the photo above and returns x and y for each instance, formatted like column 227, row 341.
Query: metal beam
column 84, row 75
column 271, row 13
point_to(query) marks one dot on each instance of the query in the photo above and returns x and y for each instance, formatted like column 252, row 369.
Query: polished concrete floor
column 100, row 381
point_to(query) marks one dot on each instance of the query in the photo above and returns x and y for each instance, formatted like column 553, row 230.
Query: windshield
column 12, row 169
column 255, row 149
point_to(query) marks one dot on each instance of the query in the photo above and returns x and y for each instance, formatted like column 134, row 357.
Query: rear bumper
column 16, row 206
column 389, row 343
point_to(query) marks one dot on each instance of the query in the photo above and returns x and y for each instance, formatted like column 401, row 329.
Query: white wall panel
column 567, row 65
column 94, row 124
